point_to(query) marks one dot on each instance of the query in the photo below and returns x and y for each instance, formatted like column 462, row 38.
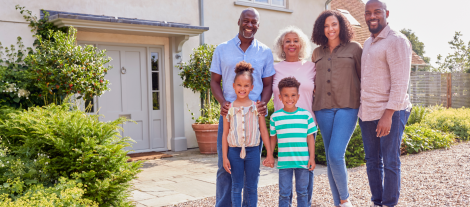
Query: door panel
column 128, row 96
column 133, row 77
column 108, row 99
column 157, row 93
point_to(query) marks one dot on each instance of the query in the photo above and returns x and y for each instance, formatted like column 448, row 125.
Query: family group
column 344, row 83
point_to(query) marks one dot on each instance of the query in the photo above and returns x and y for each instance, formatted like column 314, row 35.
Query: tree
column 418, row 46
column 459, row 61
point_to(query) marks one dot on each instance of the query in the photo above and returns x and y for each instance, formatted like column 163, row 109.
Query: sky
column 434, row 22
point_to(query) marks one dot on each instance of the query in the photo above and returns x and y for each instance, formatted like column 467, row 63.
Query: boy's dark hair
column 244, row 68
column 288, row 83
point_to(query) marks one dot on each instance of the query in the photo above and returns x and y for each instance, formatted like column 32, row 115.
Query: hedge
column 40, row 145
column 428, row 128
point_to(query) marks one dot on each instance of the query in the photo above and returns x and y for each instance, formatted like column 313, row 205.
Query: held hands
column 227, row 166
column 269, row 161
column 224, row 107
column 261, row 106
column 311, row 164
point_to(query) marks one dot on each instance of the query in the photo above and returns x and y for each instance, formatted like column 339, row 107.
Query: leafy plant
column 270, row 108
column 419, row 137
column 42, row 144
column 62, row 68
column 211, row 114
column 65, row 193
column 16, row 86
column 57, row 67
column 196, row 76
column 354, row 156
column 452, row 120
column 417, row 115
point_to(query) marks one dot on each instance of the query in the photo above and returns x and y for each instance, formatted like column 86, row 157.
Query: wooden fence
column 447, row 89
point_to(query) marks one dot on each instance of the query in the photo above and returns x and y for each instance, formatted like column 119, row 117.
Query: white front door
column 129, row 93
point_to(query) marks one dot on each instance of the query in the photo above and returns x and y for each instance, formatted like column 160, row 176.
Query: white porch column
column 178, row 139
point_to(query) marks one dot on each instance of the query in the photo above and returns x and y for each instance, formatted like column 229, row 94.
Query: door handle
column 123, row 70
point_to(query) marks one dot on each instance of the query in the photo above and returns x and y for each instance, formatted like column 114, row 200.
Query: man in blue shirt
column 241, row 48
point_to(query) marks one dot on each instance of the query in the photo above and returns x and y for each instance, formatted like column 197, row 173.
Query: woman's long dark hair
column 346, row 33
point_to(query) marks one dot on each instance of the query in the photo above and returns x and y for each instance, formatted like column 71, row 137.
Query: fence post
column 449, row 90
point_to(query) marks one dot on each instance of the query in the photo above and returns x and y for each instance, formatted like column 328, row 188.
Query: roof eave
column 93, row 24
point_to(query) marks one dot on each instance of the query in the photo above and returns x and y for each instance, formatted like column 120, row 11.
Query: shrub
column 451, row 120
column 270, row 108
column 196, row 76
column 65, row 193
column 60, row 67
column 354, row 152
column 417, row 115
column 419, row 137
column 57, row 67
column 16, row 86
column 42, row 144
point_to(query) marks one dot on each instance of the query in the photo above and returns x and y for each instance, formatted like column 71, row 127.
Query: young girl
column 241, row 139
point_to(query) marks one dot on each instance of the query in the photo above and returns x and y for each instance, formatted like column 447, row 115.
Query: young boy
column 293, row 128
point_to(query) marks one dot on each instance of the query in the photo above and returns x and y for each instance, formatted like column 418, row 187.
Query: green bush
column 42, row 144
column 419, row 137
column 270, row 107
column 417, row 115
column 452, row 120
column 64, row 194
column 56, row 68
column 354, row 153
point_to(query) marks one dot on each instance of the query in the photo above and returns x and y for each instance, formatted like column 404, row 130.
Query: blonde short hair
column 305, row 47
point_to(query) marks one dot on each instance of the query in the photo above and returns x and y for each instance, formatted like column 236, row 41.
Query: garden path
column 187, row 176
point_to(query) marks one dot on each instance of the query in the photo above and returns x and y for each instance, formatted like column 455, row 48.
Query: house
column 355, row 9
column 146, row 40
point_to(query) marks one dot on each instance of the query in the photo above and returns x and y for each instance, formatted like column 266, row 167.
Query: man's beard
column 377, row 30
column 252, row 35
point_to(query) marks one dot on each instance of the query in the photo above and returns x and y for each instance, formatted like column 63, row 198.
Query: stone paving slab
column 188, row 175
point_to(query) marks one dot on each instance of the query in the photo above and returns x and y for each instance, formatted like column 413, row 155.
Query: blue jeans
column 245, row 174
column 337, row 126
column 383, row 158
column 224, row 179
column 301, row 186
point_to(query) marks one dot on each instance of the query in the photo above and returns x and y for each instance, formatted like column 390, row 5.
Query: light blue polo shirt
column 228, row 54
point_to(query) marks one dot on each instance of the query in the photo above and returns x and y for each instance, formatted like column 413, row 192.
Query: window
column 155, row 81
column 278, row 3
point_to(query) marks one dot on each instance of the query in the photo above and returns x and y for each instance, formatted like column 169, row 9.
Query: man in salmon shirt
column 385, row 105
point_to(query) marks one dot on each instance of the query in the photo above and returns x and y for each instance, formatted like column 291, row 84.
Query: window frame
column 268, row 6
column 270, row 3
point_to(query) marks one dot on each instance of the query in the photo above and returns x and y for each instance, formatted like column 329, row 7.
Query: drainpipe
column 201, row 20
column 326, row 4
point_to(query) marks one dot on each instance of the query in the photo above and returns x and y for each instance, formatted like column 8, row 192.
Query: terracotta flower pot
column 206, row 135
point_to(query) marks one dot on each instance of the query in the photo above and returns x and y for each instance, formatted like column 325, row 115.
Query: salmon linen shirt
column 385, row 73
column 244, row 127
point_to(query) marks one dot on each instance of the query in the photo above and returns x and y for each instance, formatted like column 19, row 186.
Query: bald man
column 243, row 47
column 385, row 105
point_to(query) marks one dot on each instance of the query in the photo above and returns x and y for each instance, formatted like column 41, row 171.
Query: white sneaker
column 347, row 204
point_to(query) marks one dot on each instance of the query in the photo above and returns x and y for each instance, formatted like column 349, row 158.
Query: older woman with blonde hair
column 293, row 48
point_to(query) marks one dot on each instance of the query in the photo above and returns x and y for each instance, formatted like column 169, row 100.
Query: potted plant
column 196, row 76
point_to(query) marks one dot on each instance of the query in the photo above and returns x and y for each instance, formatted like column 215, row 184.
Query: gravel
column 433, row 178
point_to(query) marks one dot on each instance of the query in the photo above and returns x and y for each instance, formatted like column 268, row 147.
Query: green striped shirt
column 292, row 129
